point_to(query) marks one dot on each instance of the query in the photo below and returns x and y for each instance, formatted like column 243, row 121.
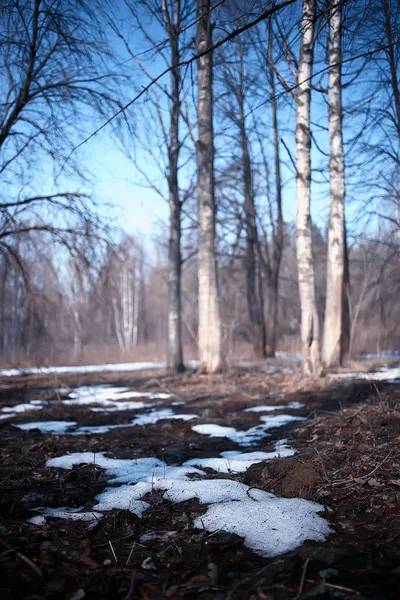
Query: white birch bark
column 333, row 324
column 309, row 315
column 210, row 334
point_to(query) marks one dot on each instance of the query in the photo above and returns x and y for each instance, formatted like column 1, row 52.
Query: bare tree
column 310, row 337
column 238, row 81
column 54, row 70
column 332, row 351
column 210, row 331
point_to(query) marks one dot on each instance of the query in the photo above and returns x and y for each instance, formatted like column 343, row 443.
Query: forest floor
column 347, row 459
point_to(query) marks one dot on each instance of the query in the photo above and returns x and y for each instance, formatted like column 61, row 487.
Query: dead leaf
column 374, row 483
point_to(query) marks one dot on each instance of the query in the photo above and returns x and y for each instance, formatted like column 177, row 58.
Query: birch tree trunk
column 309, row 314
column 174, row 345
column 210, row 331
column 332, row 350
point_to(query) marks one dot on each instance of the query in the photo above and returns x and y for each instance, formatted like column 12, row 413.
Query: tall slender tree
column 310, row 336
column 174, row 352
column 210, row 329
column 333, row 346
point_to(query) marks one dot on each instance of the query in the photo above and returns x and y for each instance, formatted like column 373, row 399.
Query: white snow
column 66, row 427
column 268, row 525
column 122, row 406
column 279, row 420
column 238, row 462
column 385, row 374
column 8, row 416
column 115, row 368
column 249, row 436
column 64, row 512
column 55, row 427
column 150, row 418
column 20, row 408
column 110, row 396
column 158, row 415
column 122, row 470
column 271, row 408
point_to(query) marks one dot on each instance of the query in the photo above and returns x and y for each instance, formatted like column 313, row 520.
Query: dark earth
column 348, row 459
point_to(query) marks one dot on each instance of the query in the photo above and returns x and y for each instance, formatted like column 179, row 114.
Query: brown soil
column 348, row 459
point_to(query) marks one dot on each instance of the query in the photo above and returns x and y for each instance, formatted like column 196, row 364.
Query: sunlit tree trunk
column 332, row 349
column 210, row 332
column 174, row 345
column 310, row 337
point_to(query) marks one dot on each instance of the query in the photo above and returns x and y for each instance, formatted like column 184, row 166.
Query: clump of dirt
column 290, row 477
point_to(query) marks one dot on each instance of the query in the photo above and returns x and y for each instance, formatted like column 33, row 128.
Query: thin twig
column 112, row 550
column 30, row 563
column 302, row 580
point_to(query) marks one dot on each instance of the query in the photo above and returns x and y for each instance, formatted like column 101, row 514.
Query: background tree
column 210, row 330
column 309, row 313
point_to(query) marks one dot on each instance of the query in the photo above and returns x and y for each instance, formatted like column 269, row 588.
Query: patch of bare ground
column 348, row 458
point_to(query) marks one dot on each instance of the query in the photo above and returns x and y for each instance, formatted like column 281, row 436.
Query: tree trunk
column 210, row 331
column 309, row 314
column 334, row 315
column 174, row 345
column 254, row 286
column 278, row 229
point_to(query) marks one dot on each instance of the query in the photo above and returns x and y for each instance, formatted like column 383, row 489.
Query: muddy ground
column 348, row 458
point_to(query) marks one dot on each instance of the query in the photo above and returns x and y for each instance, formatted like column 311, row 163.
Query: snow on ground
column 7, row 416
column 248, row 436
column 54, row 427
column 114, row 368
column 21, row 408
column 238, row 462
column 64, row 513
column 109, row 396
column 389, row 374
column 268, row 525
column 271, row 408
column 68, row 427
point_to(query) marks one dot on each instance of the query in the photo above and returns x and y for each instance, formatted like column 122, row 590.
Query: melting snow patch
column 115, row 368
column 238, row 462
column 65, row 427
column 270, row 408
column 55, row 427
column 150, row 418
column 64, row 512
column 123, row 470
column 269, row 526
column 8, row 416
column 386, row 374
column 157, row 415
column 279, row 420
column 109, row 396
column 20, row 408
column 122, row 406
column 249, row 436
